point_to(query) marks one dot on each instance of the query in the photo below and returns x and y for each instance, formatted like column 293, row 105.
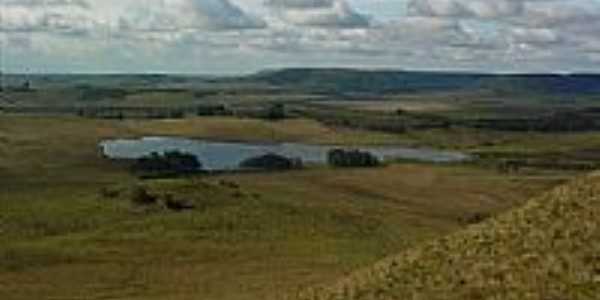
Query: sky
column 244, row 36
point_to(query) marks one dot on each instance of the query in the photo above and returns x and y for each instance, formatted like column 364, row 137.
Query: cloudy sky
column 240, row 36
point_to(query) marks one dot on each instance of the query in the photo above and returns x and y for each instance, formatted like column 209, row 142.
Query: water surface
column 227, row 155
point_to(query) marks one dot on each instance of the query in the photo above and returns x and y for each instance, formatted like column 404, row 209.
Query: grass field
column 546, row 249
column 250, row 236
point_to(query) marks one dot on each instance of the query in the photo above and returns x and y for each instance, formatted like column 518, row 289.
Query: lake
column 228, row 155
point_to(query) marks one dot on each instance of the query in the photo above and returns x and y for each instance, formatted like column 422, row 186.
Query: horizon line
column 250, row 73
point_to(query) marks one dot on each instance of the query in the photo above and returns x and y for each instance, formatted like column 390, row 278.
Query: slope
column 549, row 249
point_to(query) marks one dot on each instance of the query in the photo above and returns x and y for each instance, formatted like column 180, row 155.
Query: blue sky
column 241, row 36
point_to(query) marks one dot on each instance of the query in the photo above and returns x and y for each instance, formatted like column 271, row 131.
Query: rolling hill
column 324, row 80
column 370, row 81
column 549, row 249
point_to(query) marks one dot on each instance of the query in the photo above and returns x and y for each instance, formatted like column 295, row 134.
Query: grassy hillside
column 549, row 249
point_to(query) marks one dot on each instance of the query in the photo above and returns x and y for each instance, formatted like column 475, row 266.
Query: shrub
column 177, row 114
column 229, row 184
column 174, row 204
column 140, row 196
column 271, row 161
column 92, row 94
column 475, row 218
column 276, row 112
column 351, row 158
column 511, row 165
column 238, row 194
column 216, row 110
column 109, row 193
column 169, row 162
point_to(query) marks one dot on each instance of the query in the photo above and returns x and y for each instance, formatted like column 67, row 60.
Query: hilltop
column 548, row 249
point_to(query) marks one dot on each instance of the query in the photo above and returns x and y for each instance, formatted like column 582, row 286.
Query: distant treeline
column 121, row 112
column 574, row 121
column 564, row 121
column 393, row 123
column 271, row 112
column 517, row 165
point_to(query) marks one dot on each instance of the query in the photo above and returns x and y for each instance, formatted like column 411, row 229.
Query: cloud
column 60, row 16
column 319, row 13
column 222, row 14
column 560, row 13
column 241, row 34
column 538, row 13
column 47, row 3
column 466, row 8
column 300, row 4
column 159, row 15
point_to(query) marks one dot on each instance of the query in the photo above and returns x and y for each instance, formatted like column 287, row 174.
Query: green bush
column 276, row 112
column 271, row 161
column 169, row 162
column 352, row 158
column 176, row 204
column 140, row 196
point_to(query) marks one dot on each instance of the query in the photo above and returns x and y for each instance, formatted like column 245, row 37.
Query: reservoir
column 228, row 155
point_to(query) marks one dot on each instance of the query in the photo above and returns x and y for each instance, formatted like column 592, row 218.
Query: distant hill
column 549, row 249
column 363, row 81
column 328, row 81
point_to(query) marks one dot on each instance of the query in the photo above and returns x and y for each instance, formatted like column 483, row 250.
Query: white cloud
column 466, row 8
column 319, row 13
column 217, row 35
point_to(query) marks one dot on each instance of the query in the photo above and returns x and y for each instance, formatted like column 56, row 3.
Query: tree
column 26, row 86
column 276, row 112
column 169, row 162
column 351, row 158
column 271, row 161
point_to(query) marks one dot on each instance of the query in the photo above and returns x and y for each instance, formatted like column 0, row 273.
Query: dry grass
column 549, row 249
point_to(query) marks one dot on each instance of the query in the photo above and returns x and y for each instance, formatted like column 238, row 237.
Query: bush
column 276, row 112
column 169, row 162
column 352, row 158
column 511, row 165
column 109, row 193
column 229, row 184
column 140, row 196
column 271, row 161
column 174, row 204
column 475, row 218
column 217, row 110
column 177, row 114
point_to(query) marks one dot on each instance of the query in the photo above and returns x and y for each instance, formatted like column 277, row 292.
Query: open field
column 250, row 236
column 75, row 225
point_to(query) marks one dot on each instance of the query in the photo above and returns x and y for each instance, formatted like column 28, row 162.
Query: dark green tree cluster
column 352, row 158
column 276, row 112
column 215, row 110
column 271, row 161
column 168, row 162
